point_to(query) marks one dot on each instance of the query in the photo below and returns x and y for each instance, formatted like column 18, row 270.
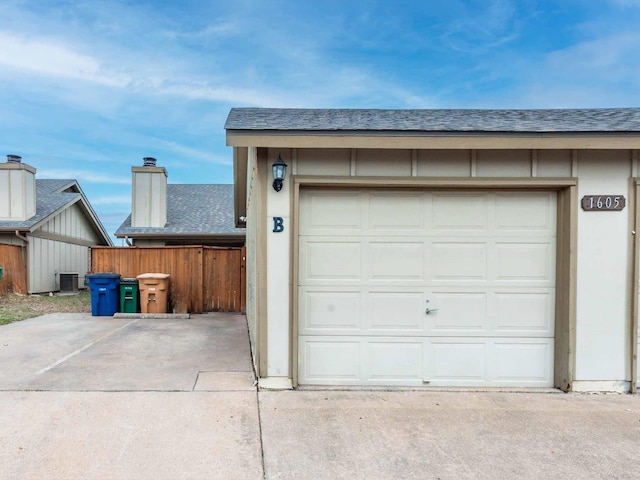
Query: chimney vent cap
column 14, row 159
column 149, row 162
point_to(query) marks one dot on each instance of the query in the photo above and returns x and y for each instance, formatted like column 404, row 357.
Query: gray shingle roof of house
column 49, row 199
column 601, row 120
column 193, row 210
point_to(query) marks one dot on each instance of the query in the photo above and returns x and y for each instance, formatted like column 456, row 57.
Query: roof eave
column 431, row 139
column 179, row 235
column 15, row 229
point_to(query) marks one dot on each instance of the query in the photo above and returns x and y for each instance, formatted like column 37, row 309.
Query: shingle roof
column 193, row 210
column 603, row 120
column 49, row 199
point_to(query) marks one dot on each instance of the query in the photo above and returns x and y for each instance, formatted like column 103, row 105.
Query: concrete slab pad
column 145, row 435
column 225, row 381
column 78, row 352
column 439, row 435
column 30, row 345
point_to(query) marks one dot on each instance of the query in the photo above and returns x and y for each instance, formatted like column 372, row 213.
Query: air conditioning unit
column 68, row 282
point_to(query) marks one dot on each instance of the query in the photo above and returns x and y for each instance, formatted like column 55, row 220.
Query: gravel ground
column 19, row 307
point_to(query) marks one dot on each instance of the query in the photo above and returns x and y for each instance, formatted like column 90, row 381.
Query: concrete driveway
column 86, row 397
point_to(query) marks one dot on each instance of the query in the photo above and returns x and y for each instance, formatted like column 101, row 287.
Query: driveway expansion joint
column 154, row 316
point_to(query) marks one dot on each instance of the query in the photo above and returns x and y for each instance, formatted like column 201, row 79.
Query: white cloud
column 219, row 94
column 48, row 57
column 194, row 153
column 51, row 58
column 613, row 57
column 495, row 24
column 84, row 176
column 600, row 72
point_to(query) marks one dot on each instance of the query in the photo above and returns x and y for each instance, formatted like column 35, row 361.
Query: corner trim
column 275, row 383
column 566, row 244
column 601, row 386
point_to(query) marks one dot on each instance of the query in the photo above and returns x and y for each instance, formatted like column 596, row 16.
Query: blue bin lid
column 104, row 275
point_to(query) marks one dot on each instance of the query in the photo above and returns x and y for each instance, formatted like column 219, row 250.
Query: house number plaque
column 596, row 203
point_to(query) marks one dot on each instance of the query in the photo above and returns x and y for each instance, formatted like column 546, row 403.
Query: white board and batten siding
column 372, row 262
column 48, row 258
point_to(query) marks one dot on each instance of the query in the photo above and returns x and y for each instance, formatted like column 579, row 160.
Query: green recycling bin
column 0, row 273
column 129, row 295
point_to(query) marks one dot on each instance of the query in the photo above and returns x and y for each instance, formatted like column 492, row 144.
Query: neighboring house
column 444, row 248
column 52, row 220
column 178, row 214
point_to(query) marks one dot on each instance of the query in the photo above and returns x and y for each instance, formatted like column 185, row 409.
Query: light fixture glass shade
column 279, row 171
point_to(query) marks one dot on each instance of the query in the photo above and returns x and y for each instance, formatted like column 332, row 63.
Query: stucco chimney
column 17, row 190
column 149, row 195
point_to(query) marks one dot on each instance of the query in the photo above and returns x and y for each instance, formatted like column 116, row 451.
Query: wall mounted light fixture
column 279, row 171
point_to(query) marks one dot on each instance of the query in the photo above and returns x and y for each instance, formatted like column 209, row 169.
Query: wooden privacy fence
column 14, row 275
column 203, row 279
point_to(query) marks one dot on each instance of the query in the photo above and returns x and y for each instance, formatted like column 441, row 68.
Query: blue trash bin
column 105, row 289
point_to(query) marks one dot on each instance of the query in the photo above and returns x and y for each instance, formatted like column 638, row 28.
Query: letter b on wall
column 278, row 224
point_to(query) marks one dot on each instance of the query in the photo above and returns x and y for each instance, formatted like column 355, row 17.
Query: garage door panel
column 323, row 311
column 330, row 212
column 330, row 261
column 331, row 362
column 408, row 361
column 524, row 362
column 455, row 362
column 393, row 360
column 397, row 312
column 522, row 313
column 530, row 262
column 490, row 362
column 355, row 361
column 531, row 214
column 396, row 261
column 383, row 211
column 458, row 213
column 457, row 312
column 484, row 262
column 459, row 261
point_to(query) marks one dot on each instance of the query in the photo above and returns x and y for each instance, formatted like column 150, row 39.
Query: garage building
column 440, row 248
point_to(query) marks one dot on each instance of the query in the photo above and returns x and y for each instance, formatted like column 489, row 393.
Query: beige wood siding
column 463, row 163
column 444, row 163
column 554, row 163
column 10, row 239
column 48, row 258
column 503, row 163
column 332, row 161
column 73, row 223
column 62, row 248
column 383, row 163
column 143, row 242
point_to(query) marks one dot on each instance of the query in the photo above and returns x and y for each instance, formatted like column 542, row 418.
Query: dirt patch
column 20, row 307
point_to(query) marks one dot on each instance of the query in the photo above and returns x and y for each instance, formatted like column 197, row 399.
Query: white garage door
column 374, row 262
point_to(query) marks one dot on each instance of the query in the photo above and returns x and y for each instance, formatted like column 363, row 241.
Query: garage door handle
column 429, row 310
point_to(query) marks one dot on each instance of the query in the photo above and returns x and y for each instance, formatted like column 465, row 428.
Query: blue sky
column 88, row 88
